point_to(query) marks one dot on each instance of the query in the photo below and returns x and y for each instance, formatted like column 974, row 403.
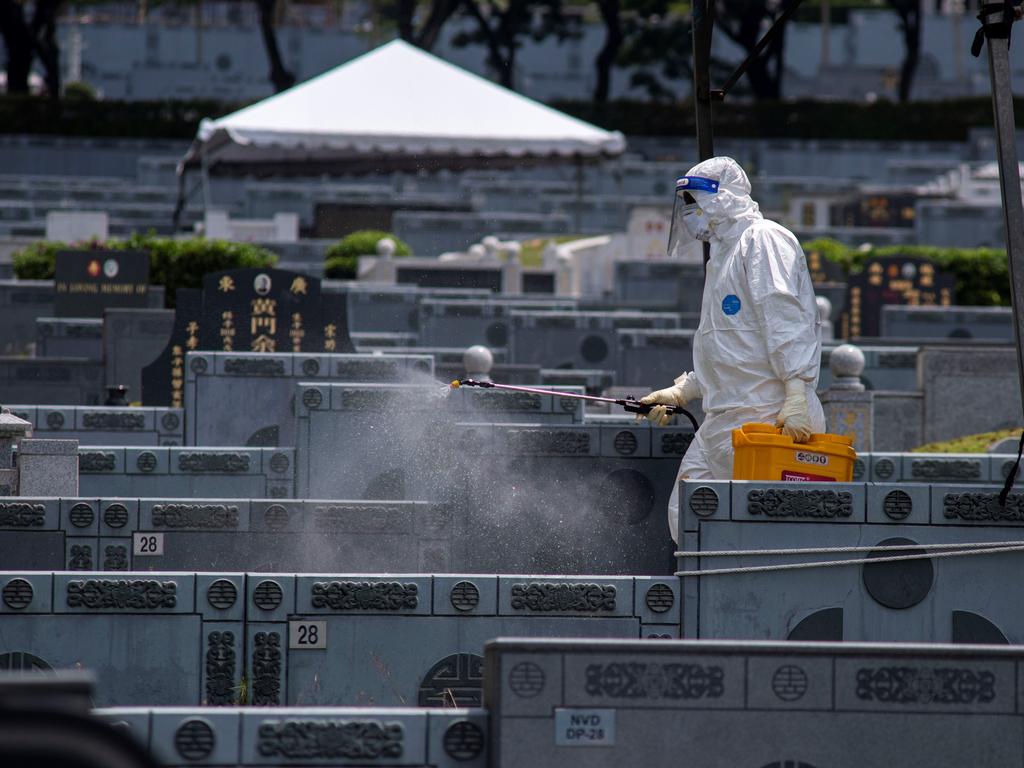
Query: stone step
column 934, row 467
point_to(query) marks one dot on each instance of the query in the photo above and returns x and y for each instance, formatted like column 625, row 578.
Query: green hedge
column 172, row 263
column 922, row 120
column 982, row 274
column 342, row 258
column 805, row 119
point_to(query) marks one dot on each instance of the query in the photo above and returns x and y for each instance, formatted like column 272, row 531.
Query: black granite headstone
column 892, row 280
column 87, row 282
column 163, row 380
column 247, row 310
column 261, row 310
column 456, row 277
column 823, row 270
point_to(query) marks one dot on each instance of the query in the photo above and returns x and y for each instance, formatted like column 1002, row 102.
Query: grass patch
column 970, row 443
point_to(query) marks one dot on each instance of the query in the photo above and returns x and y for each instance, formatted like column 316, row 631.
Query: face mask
column 689, row 221
column 697, row 224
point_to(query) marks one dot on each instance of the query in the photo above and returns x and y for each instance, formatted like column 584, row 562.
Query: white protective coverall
column 758, row 326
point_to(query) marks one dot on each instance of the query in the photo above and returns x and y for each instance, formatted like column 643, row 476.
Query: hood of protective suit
column 731, row 209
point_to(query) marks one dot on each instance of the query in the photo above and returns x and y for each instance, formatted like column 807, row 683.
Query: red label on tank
column 804, row 477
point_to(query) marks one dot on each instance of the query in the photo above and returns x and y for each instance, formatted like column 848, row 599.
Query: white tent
column 396, row 107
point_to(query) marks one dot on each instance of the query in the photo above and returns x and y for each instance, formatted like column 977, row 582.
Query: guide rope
column 945, row 550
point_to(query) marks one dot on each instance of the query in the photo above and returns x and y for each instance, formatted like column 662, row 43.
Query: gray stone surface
column 70, row 381
column 106, row 425
column 451, row 322
column 777, row 705
column 885, row 367
column 921, row 600
column 898, row 420
column 671, row 286
column 961, row 384
column 850, row 413
column 994, row 323
column 48, row 467
column 177, row 472
column 248, row 398
column 652, row 359
column 602, row 487
column 231, row 535
column 69, row 337
column 411, row 737
column 132, row 339
column 576, row 339
column 21, row 302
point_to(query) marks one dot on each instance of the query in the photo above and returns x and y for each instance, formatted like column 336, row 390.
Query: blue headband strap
column 696, row 183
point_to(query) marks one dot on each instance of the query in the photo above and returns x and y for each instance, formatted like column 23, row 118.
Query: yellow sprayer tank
column 762, row 452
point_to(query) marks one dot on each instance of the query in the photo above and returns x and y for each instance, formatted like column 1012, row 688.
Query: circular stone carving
column 465, row 596
column 901, row 584
column 858, row 469
column 526, row 680
column 19, row 661
column 660, row 598
column 116, row 516
column 198, row 365
column 625, row 495
column 885, row 468
column 594, row 349
column 221, row 594
column 170, row 421
column 312, row 398
column 276, row 517
column 463, row 740
column 194, row 739
column 280, row 462
column 146, row 462
column 267, row 595
column 496, row 334
column 568, row 404
column 17, row 594
column 704, row 502
column 81, row 515
column 789, row 683
column 625, row 443
column 311, row 367
column 456, row 680
column 55, row 420
column 897, row 505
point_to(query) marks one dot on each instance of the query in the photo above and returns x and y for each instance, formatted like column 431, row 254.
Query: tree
column 501, row 25
column 658, row 48
column 909, row 12
column 404, row 13
column 744, row 22
column 279, row 76
column 44, row 40
column 611, row 16
column 17, row 39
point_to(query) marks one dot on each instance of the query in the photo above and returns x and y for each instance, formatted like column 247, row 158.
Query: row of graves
column 303, row 548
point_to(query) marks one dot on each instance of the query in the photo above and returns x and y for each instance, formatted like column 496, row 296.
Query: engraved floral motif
column 635, row 680
column 331, row 739
column 122, row 593
column 365, row 595
column 926, row 685
column 584, row 598
column 781, row 502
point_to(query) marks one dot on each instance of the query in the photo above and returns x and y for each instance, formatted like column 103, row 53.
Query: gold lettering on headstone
column 297, row 333
column 299, row 285
column 177, row 376
column 192, row 342
column 226, row 284
column 227, row 330
column 330, row 337
column 263, row 325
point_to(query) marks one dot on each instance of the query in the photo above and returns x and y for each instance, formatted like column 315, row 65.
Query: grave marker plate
column 892, row 280
column 87, row 282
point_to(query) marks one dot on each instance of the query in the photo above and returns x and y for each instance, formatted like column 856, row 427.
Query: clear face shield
column 689, row 222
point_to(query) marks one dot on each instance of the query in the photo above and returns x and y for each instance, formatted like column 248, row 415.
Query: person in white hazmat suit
column 757, row 349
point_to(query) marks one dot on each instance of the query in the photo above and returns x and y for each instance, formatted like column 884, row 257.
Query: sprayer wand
column 630, row 404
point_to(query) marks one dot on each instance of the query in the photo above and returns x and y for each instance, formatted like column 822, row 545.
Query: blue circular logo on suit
column 731, row 304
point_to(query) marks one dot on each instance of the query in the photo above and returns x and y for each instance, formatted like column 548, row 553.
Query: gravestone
column 927, row 599
column 892, row 280
column 673, row 286
column 823, row 271
column 662, row 704
column 247, row 310
column 69, row 337
column 87, row 282
column 991, row 323
column 132, row 339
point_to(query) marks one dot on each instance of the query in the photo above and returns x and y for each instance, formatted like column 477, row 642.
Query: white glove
column 683, row 391
column 794, row 418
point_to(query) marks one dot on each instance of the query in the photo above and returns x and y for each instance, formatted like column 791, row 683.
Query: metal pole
column 703, row 23
column 1009, row 176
